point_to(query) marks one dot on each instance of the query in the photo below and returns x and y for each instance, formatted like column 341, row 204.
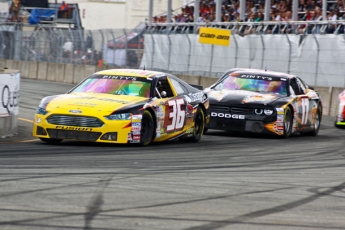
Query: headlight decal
column 120, row 116
column 41, row 111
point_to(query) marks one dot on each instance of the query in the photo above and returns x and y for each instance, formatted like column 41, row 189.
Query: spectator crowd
column 280, row 11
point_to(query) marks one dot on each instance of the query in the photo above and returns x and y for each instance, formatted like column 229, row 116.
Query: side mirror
column 163, row 94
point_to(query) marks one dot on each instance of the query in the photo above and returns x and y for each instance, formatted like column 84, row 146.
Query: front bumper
column 249, row 123
column 112, row 131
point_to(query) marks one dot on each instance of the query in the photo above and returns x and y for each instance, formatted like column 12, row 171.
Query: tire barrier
column 9, row 102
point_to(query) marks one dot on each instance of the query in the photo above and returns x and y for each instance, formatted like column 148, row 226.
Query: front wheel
column 199, row 125
column 287, row 122
column 51, row 140
column 147, row 128
column 316, row 124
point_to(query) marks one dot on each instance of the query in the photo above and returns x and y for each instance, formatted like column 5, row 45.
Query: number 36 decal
column 176, row 113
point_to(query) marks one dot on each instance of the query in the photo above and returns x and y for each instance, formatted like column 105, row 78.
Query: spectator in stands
column 331, row 17
column 258, row 17
column 340, row 6
column 67, row 48
column 63, row 11
column 14, row 11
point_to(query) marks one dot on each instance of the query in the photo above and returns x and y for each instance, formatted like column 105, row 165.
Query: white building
column 116, row 14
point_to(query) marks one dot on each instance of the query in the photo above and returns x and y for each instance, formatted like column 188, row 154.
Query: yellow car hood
column 91, row 103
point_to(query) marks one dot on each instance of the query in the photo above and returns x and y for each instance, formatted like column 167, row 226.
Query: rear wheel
column 316, row 124
column 287, row 122
column 147, row 128
column 51, row 140
column 199, row 125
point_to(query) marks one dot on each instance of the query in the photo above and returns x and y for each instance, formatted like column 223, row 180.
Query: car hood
column 241, row 97
column 90, row 104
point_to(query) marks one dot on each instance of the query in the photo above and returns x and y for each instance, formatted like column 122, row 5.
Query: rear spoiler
column 197, row 86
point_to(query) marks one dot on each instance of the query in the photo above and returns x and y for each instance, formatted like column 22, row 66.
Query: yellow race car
column 124, row 106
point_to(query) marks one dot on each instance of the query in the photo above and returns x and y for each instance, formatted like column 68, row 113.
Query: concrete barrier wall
column 8, row 126
column 9, row 101
column 69, row 73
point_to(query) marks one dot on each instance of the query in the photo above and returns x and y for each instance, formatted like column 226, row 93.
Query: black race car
column 267, row 102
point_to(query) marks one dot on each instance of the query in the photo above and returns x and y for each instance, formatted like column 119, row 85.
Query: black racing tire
column 51, row 140
column 199, row 126
column 147, row 128
column 316, row 125
column 287, row 122
column 205, row 130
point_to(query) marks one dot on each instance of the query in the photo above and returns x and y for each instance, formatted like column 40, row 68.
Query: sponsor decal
column 84, row 104
column 136, row 133
column 136, row 128
column 280, row 118
column 136, row 120
column 120, row 78
column 280, row 110
column 137, row 116
column 214, row 36
column 129, row 137
column 136, row 123
column 227, row 115
column 136, row 137
column 9, row 95
column 256, row 77
column 75, row 111
column 196, row 96
column 158, row 134
column 252, row 98
column 280, row 123
column 280, row 128
column 134, row 141
column 73, row 128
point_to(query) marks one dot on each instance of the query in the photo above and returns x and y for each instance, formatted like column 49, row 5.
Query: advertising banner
column 214, row 36
column 9, row 94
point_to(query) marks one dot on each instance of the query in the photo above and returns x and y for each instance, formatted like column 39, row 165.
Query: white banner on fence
column 318, row 59
column 9, row 94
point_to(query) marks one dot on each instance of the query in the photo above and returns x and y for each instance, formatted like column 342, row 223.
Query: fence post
column 169, row 56
column 126, row 45
column 236, row 50
column 153, row 50
column 189, row 51
column 263, row 51
column 290, row 53
column 114, row 48
column 317, row 60
column 211, row 62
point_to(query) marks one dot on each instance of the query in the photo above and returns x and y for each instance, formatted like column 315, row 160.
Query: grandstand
column 44, row 39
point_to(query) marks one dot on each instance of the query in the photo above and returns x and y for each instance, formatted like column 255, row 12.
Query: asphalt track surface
column 226, row 181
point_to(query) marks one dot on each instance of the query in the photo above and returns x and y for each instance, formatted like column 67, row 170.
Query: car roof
column 259, row 72
column 131, row 72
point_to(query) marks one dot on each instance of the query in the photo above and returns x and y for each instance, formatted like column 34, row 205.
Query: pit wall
column 69, row 73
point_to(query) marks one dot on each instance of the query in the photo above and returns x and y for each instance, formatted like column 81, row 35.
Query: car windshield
column 256, row 85
column 133, row 86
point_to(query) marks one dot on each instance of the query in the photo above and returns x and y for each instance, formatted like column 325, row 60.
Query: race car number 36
column 176, row 114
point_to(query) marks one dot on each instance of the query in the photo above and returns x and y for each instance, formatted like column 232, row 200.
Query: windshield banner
column 9, row 94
